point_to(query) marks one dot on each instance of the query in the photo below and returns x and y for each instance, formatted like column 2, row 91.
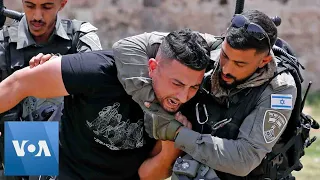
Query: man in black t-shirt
column 102, row 134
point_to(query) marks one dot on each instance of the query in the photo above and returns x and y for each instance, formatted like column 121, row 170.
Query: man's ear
column 265, row 61
column 63, row 3
column 153, row 64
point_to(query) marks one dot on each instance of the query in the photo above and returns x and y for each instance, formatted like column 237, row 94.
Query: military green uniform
column 18, row 47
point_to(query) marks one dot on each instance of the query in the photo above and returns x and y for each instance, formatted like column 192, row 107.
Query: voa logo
column 31, row 148
column 39, row 149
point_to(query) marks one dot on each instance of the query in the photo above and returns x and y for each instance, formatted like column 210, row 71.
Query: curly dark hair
column 239, row 38
column 186, row 46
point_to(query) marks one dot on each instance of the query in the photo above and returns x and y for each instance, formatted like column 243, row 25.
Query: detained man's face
column 173, row 82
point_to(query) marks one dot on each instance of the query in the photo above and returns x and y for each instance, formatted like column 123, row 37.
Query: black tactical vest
column 19, row 58
column 224, row 120
column 12, row 59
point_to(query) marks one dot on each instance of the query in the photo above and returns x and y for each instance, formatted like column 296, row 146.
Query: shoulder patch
column 274, row 124
column 87, row 27
column 281, row 101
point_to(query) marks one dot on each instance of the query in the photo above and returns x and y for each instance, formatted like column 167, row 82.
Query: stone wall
column 121, row 18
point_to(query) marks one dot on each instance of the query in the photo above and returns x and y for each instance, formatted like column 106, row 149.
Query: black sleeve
column 89, row 72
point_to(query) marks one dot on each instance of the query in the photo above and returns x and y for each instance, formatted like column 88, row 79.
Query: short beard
column 235, row 82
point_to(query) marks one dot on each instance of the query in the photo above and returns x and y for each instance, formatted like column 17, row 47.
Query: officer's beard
column 235, row 82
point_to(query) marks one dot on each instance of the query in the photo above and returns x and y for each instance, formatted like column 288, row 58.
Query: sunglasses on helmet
column 253, row 29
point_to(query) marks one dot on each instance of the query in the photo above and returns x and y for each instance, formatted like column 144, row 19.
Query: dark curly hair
column 186, row 46
column 239, row 38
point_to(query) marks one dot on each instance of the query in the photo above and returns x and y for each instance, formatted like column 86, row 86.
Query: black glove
column 160, row 127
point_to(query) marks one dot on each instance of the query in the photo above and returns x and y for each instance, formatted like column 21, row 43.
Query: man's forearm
column 44, row 81
column 10, row 93
column 159, row 166
column 154, row 168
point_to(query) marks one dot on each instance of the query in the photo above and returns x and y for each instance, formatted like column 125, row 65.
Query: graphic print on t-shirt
column 115, row 133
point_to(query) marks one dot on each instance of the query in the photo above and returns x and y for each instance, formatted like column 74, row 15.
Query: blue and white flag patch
column 281, row 101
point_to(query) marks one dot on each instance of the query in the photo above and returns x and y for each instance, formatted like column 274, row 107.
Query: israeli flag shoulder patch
column 281, row 101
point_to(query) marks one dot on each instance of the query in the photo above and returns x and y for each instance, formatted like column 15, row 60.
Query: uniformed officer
column 41, row 30
column 241, row 113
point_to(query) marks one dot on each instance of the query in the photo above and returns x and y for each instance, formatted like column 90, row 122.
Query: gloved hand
column 158, row 126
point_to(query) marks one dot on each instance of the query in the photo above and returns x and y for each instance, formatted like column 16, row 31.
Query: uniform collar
column 25, row 38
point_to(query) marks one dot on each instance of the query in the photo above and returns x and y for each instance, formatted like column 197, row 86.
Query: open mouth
column 173, row 102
